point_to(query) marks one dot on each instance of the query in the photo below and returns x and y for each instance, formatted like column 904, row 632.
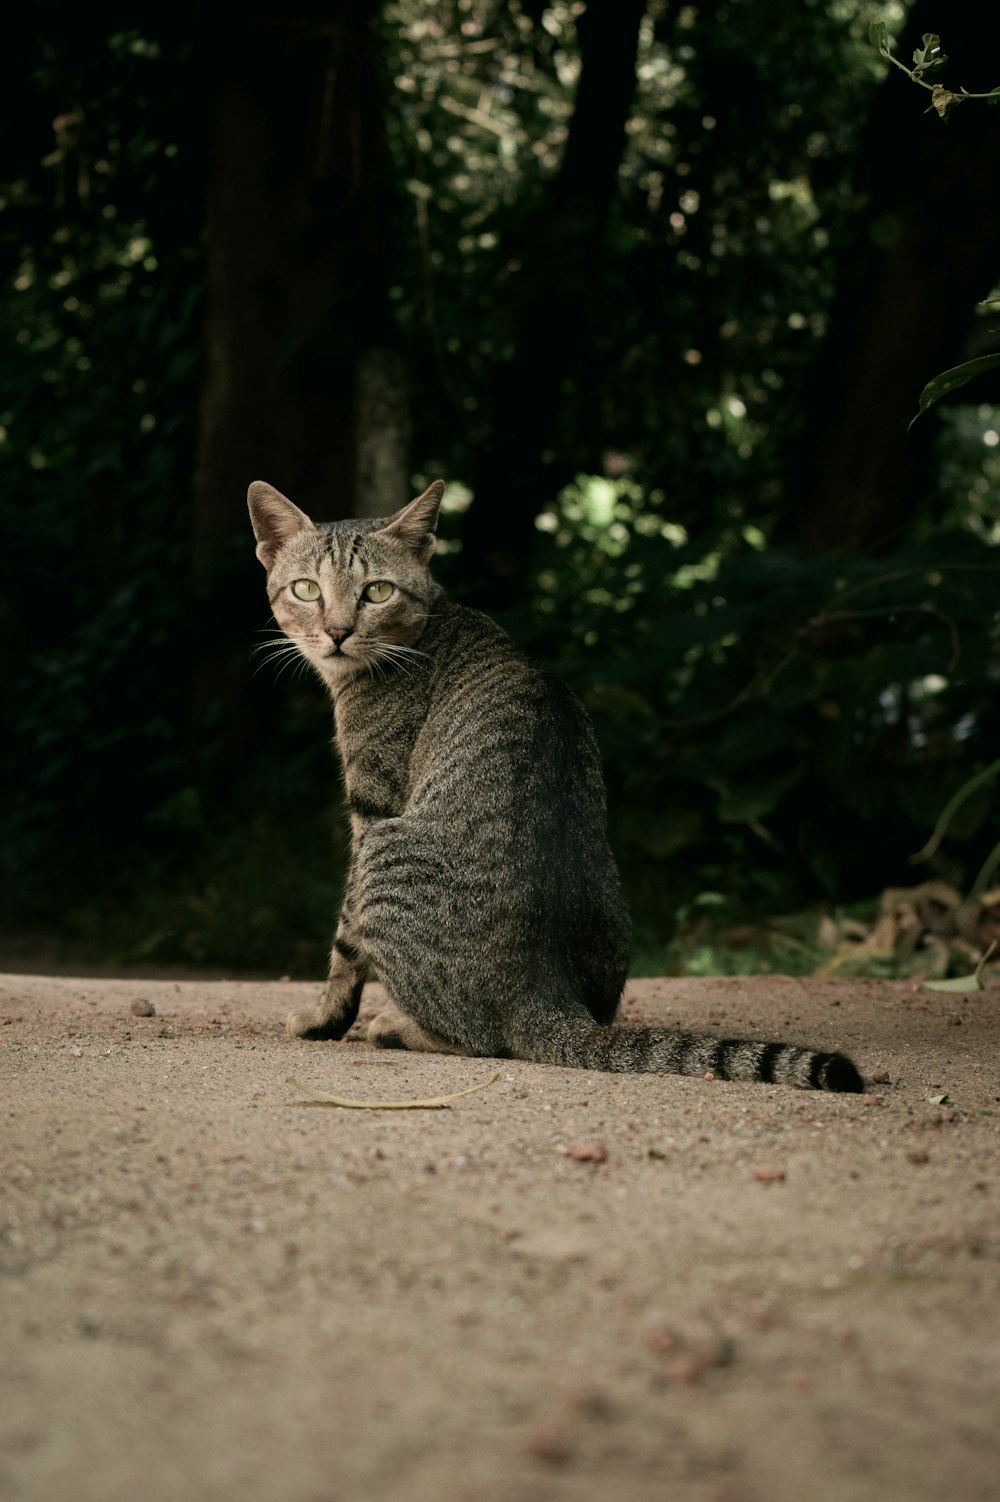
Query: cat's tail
column 583, row 1044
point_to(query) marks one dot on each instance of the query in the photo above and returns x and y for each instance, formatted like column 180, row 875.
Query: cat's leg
column 338, row 1006
column 393, row 1028
column 431, row 941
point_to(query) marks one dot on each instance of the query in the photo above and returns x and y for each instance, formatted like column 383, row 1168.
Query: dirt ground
column 564, row 1286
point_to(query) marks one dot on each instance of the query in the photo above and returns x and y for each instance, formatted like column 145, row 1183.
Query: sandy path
column 210, row 1291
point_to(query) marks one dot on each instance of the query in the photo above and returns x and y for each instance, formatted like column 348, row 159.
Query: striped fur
column 481, row 888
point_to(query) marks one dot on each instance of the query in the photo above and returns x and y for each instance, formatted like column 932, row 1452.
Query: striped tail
column 646, row 1050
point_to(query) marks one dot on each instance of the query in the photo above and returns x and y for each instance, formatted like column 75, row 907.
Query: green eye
column 305, row 589
column 378, row 592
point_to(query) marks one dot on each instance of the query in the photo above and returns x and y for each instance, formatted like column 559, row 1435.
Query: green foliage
column 777, row 728
column 951, row 380
column 259, row 894
column 98, row 242
column 709, row 296
column 928, row 60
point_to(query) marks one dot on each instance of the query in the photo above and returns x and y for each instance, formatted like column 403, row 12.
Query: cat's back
column 508, row 793
column 502, row 725
column 475, row 662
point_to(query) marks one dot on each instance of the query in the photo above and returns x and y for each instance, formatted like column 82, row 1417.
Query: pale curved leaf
column 435, row 1103
column 951, row 380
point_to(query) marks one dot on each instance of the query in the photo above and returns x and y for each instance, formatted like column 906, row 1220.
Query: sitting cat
column 481, row 886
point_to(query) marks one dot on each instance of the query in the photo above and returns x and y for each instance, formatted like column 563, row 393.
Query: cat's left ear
column 415, row 525
column 275, row 520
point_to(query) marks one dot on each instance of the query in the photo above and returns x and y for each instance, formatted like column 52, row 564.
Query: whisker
column 273, row 646
column 399, row 650
column 278, row 657
column 285, row 653
column 284, row 664
column 405, row 648
column 271, row 649
column 383, row 652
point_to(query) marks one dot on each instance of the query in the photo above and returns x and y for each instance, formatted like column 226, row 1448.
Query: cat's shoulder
column 482, row 650
column 465, row 627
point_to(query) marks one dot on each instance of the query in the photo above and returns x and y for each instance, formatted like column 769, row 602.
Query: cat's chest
column 375, row 739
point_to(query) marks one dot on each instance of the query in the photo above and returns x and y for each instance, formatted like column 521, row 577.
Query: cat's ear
column 416, row 523
column 275, row 520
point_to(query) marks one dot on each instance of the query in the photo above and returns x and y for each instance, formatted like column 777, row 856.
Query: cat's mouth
column 337, row 659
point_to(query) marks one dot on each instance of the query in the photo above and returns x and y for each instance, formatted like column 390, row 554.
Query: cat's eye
column 305, row 589
column 378, row 592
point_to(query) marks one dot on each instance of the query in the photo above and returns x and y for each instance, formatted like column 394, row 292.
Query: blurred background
column 655, row 287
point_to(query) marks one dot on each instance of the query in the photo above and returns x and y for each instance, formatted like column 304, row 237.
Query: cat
column 481, row 887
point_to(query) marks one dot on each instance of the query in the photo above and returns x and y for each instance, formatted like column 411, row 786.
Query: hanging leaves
column 951, row 380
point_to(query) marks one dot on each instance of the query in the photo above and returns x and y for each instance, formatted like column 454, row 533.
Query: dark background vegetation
column 654, row 286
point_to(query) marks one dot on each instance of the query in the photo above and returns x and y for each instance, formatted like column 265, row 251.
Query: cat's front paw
column 313, row 1025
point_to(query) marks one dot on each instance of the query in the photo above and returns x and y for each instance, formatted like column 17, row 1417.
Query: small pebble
column 590, row 1402
column 548, row 1444
column 768, row 1175
column 918, row 1155
column 142, row 1008
column 660, row 1338
column 693, row 1366
column 587, row 1152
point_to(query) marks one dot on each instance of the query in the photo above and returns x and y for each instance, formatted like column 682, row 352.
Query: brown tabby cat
column 481, row 886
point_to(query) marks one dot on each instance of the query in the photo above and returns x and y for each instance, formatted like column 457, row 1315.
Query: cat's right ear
column 275, row 520
column 415, row 525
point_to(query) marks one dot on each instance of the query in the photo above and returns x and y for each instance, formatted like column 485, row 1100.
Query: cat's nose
column 337, row 633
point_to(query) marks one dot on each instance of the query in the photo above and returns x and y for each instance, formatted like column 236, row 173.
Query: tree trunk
column 298, row 331
column 905, row 306
column 382, row 433
column 560, row 257
column 295, row 250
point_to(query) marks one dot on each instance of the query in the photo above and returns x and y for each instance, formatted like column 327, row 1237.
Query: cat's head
column 353, row 596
